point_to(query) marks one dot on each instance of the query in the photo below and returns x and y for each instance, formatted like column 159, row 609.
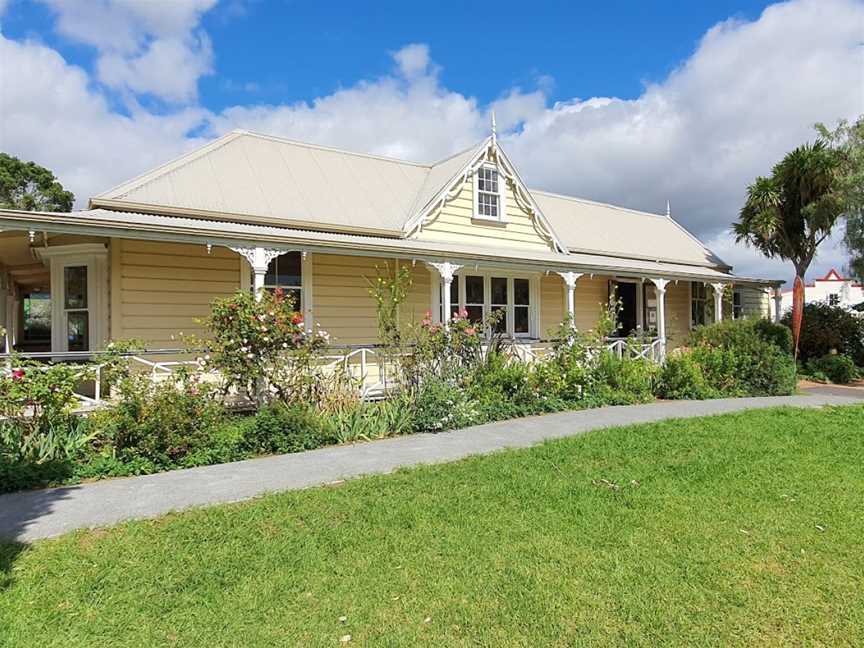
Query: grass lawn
column 745, row 529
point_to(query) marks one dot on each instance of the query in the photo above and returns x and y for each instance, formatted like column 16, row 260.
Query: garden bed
column 453, row 377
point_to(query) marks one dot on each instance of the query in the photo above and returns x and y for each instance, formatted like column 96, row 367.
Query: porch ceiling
column 102, row 222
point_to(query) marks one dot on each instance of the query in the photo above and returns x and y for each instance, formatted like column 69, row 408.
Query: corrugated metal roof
column 248, row 177
column 149, row 226
column 256, row 175
column 587, row 226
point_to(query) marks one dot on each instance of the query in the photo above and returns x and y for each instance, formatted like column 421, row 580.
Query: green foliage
column 744, row 357
column 623, row 380
column 28, row 186
column 439, row 406
column 837, row 368
column 389, row 290
column 261, row 347
column 161, row 423
column 828, row 329
column 279, row 428
column 789, row 213
column 681, row 377
column 847, row 140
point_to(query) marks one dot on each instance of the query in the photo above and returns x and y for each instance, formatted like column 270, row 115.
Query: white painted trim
column 94, row 256
column 306, row 297
column 487, row 274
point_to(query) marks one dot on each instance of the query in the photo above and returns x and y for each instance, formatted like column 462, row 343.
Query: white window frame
column 487, row 274
column 93, row 256
column 502, row 195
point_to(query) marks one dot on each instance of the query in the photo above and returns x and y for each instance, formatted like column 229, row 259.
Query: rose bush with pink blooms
column 262, row 346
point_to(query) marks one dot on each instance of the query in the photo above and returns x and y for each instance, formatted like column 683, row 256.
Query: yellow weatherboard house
column 251, row 211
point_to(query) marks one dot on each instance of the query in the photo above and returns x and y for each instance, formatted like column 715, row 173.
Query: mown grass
column 744, row 529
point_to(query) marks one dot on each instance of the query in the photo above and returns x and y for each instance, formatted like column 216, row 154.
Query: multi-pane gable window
column 286, row 272
column 488, row 197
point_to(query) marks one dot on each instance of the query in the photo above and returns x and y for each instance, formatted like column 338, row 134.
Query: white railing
column 367, row 365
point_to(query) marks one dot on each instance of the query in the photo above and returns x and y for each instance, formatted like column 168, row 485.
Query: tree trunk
column 797, row 309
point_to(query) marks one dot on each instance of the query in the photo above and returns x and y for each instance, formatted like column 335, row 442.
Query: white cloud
column 750, row 92
column 145, row 46
column 57, row 120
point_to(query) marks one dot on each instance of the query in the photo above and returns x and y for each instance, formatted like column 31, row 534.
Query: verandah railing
column 370, row 366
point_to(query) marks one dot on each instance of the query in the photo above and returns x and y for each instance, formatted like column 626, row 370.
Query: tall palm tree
column 788, row 214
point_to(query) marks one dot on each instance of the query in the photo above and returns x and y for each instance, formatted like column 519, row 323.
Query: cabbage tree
column 791, row 212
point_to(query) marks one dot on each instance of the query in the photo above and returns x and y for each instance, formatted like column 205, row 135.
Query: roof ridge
column 333, row 149
column 473, row 147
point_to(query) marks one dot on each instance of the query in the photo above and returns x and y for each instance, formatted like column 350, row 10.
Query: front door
column 627, row 320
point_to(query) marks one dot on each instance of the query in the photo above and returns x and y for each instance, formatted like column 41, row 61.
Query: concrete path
column 31, row 515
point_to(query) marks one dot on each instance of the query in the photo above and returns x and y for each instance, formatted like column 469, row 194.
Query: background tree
column 28, row 186
column 791, row 212
column 848, row 142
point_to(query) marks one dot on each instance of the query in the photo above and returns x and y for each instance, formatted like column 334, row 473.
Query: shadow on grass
column 19, row 511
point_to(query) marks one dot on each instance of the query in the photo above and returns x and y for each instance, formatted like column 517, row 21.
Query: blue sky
column 281, row 51
column 632, row 103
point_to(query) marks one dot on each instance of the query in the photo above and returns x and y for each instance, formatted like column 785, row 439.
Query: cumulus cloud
column 750, row 92
column 145, row 46
column 58, row 120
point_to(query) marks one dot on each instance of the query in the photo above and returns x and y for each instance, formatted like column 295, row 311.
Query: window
column 698, row 303
column 75, row 308
column 737, row 305
column 480, row 295
column 833, row 299
column 488, row 194
column 499, row 303
column 521, row 306
column 286, row 272
column 474, row 298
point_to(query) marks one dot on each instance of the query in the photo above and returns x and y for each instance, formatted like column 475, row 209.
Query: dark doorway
column 626, row 293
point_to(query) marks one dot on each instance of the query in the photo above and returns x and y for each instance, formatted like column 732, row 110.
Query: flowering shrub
column 36, row 400
column 251, row 341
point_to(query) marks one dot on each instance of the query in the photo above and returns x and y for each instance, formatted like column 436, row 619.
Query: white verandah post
column 778, row 304
column 718, row 301
column 445, row 270
column 259, row 259
column 660, row 289
column 570, row 279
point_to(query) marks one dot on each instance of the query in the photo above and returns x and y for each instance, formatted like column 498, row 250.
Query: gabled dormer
column 477, row 197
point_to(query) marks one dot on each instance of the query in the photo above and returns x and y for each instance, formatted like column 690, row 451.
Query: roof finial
column 494, row 127
column 668, row 210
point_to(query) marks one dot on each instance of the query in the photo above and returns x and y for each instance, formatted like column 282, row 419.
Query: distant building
column 832, row 289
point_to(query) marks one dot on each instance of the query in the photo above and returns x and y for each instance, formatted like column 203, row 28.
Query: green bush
column 826, row 329
column 744, row 358
column 439, row 406
column 682, row 378
column 837, row 368
column 622, row 381
column 278, row 428
column 503, row 388
column 160, row 423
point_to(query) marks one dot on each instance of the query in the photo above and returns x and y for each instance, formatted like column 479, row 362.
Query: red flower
column 470, row 330
column 297, row 318
column 18, row 374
